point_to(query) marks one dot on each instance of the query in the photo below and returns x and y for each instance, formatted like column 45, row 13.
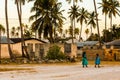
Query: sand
column 61, row 72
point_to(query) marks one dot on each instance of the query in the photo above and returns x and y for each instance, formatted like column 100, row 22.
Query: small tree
column 55, row 53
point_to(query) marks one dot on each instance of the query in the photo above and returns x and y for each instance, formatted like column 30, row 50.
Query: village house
column 36, row 48
column 112, row 50
column 15, row 44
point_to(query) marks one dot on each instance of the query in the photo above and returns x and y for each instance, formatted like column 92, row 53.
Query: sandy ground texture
column 61, row 72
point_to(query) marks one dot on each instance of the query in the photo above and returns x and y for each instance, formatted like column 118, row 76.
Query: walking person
column 97, row 61
column 84, row 60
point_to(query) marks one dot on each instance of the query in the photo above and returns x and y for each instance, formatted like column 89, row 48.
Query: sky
column 13, row 16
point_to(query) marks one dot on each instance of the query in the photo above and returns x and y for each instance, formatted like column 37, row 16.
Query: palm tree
column 28, row 34
column 58, row 17
column 104, row 5
column 18, row 32
column 105, row 8
column 97, row 22
column 82, row 17
column 73, row 19
column 7, row 27
column 73, row 15
column 76, row 31
column 74, row 1
column 13, row 32
column 60, row 30
column 115, row 31
column 19, row 10
column 2, row 30
column 87, row 32
column 91, row 20
column 113, row 9
column 70, row 31
column 47, row 17
column 66, row 32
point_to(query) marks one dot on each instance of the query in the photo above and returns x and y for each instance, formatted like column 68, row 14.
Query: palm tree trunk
column 22, row 37
column 73, row 26
column 91, row 30
column 7, row 27
column 80, row 33
column 111, row 26
column 72, row 31
column 51, row 36
column 97, row 22
column 105, row 27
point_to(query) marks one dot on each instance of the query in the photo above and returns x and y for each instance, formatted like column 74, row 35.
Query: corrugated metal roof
column 4, row 40
column 87, row 43
column 115, row 43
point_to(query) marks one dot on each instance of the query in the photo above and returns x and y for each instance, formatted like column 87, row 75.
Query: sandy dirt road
column 62, row 72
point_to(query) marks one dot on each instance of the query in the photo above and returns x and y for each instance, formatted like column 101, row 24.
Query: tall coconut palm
column 82, row 18
column 113, row 9
column 105, row 8
column 91, row 20
column 70, row 31
column 19, row 4
column 19, row 10
column 13, row 32
column 2, row 30
column 57, row 16
column 7, row 27
column 87, row 32
column 74, row 18
column 73, row 14
column 47, row 17
column 76, row 32
column 94, row 1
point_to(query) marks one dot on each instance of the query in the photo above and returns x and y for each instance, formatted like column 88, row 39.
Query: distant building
column 112, row 50
column 88, row 45
column 115, row 44
column 15, row 44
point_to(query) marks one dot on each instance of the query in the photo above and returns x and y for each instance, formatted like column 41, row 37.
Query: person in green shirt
column 84, row 60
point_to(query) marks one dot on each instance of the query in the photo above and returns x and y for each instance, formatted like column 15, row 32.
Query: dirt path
column 63, row 72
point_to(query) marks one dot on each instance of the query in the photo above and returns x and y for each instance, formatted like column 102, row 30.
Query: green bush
column 55, row 53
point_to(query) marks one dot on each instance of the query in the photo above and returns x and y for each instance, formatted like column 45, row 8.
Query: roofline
column 27, row 39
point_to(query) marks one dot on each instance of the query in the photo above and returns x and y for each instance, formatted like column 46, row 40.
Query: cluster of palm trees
column 109, row 8
column 112, row 33
column 83, row 16
column 48, row 19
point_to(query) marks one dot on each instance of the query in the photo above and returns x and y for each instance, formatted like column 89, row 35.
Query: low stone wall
column 91, row 53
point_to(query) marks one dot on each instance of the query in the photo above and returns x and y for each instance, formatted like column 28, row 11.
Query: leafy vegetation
column 55, row 53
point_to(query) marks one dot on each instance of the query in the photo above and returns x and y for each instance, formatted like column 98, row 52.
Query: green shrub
column 55, row 53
